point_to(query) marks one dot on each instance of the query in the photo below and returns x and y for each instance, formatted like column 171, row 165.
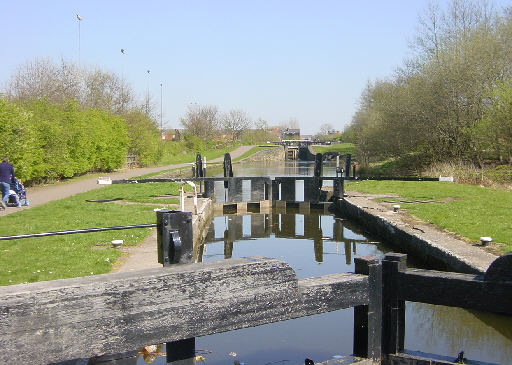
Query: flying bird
column 148, row 71
column 122, row 50
column 79, row 17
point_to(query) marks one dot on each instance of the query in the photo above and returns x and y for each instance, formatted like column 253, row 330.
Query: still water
column 313, row 245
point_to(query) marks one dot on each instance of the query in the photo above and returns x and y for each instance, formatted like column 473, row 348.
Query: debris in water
column 232, row 354
column 199, row 358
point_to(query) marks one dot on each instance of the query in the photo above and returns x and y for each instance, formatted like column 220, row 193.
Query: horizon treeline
column 452, row 101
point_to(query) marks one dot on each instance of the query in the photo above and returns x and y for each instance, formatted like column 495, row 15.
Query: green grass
column 187, row 156
column 476, row 212
column 56, row 257
column 211, row 170
column 341, row 148
column 252, row 151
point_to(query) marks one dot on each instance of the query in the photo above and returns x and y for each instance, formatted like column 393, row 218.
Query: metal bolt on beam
column 485, row 240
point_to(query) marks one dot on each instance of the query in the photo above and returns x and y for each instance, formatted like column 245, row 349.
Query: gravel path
column 46, row 193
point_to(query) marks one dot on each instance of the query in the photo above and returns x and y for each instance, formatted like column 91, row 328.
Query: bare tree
column 201, row 121
column 106, row 91
column 41, row 78
column 325, row 129
column 291, row 123
column 235, row 122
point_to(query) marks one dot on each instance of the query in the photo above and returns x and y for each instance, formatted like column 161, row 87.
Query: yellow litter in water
column 199, row 358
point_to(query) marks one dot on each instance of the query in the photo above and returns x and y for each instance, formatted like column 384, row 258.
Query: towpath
column 46, row 193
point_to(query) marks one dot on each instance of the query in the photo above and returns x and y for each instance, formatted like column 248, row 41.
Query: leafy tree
column 144, row 137
column 18, row 140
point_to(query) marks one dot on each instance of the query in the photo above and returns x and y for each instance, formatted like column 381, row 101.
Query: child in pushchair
column 17, row 194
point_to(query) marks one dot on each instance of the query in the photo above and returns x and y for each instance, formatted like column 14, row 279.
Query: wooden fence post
column 368, row 318
column 393, row 309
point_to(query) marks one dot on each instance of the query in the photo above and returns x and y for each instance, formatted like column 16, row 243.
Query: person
column 6, row 178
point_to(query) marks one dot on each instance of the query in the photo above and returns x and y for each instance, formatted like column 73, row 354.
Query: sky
column 275, row 60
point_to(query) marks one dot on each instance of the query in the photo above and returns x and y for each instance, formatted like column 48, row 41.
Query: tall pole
column 122, row 79
column 147, row 95
column 161, row 125
column 79, row 20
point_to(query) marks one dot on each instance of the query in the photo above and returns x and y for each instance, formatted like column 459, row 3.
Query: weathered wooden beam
column 456, row 290
column 114, row 313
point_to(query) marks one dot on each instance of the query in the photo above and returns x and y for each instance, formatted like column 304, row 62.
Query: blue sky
column 276, row 60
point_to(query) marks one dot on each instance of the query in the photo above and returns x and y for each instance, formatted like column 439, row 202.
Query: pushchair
column 17, row 194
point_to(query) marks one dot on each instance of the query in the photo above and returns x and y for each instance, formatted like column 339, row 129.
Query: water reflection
column 447, row 331
column 299, row 239
column 315, row 245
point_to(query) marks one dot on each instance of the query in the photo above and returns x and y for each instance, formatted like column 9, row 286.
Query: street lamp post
column 79, row 20
column 161, row 125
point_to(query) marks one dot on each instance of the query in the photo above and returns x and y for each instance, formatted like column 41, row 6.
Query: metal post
column 174, row 237
column 348, row 158
column 228, row 168
column 199, row 166
column 175, row 246
column 338, row 187
column 393, row 310
column 368, row 318
column 209, row 189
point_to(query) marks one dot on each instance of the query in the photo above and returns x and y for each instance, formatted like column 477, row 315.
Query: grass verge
column 341, row 148
column 58, row 257
column 475, row 211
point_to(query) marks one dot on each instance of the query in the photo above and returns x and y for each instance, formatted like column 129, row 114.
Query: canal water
column 319, row 244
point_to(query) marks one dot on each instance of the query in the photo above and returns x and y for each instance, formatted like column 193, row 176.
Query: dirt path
column 47, row 193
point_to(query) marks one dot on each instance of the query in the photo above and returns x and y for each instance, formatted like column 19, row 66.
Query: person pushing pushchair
column 6, row 178
column 17, row 194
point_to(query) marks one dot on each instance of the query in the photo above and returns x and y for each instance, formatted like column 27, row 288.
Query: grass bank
column 468, row 210
column 185, row 171
column 58, row 257
column 341, row 148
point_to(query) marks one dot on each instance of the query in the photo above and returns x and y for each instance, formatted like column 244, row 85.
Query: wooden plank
column 456, row 290
column 114, row 313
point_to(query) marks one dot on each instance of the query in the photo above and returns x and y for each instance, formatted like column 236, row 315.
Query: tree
column 106, row 91
column 143, row 137
column 325, row 129
column 291, row 123
column 41, row 78
column 235, row 122
column 433, row 105
column 201, row 121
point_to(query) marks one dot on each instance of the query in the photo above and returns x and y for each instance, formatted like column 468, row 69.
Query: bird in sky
column 148, row 71
column 79, row 17
column 122, row 50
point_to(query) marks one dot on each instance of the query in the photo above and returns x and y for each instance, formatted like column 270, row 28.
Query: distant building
column 307, row 137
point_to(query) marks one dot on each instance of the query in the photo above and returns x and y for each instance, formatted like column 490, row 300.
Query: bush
column 48, row 141
column 144, row 138
column 18, row 140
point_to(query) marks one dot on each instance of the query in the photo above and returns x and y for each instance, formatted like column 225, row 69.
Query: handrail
column 75, row 231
